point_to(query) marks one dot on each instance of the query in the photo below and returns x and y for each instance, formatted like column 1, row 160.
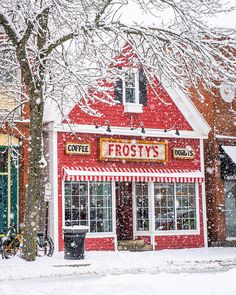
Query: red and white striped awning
column 130, row 174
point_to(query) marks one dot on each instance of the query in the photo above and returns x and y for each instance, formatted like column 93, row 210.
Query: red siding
column 99, row 244
column 183, row 241
column 158, row 114
column 93, row 160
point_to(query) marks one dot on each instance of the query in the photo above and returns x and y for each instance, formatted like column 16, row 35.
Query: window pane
column 130, row 95
column 100, row 207
column 185, row 206
column 164, row 206
column 130, row 86
column 142, row 206
column 76, row 203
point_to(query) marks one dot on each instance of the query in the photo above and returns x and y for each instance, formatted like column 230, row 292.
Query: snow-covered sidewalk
column 190, row 271
column 102, row 263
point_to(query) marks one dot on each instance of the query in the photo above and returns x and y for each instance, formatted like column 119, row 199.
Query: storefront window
column 175, row 206
column 76, row 203
column 82, row 197
column 100, row 207
column 142, row 206
column 230, row 208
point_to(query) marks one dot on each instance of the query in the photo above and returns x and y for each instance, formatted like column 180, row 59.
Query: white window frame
column 94, row 234
column 152, row 231
column 181, row 232
column 132, row 107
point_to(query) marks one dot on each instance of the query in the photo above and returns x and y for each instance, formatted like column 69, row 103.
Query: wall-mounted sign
column 132, row 150
column 183, row 153
column 75, row 148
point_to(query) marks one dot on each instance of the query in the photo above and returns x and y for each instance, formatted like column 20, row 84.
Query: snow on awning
column 130, row 174
column 230, row 151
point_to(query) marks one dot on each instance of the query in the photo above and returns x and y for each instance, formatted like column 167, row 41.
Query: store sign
column 132, row 150
column 183, row 153
column 48, row 192
column 73, row 148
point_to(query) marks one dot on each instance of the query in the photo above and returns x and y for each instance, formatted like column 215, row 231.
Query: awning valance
column 130, row 174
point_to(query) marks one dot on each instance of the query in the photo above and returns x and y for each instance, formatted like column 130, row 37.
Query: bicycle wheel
column 13, row 246
column 45, row 248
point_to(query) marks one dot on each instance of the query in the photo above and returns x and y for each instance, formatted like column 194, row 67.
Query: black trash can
column 74, row 238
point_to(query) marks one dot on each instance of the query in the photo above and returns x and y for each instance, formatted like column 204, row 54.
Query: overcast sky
column 132, row 13
column 226, row 19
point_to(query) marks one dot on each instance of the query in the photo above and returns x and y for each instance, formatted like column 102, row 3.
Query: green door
column 8, row 188
column 3, row 203
column 3, row 188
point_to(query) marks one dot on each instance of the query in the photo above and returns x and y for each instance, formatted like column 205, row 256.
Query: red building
column 220, row 164
column 135, row 173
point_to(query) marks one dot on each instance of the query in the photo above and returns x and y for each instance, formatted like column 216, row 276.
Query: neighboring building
column 137, row 172
column 220, row 165
column 13, row 151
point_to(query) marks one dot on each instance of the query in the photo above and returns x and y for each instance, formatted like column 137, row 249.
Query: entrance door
column 124, row 211
column 3, row 202
column 230, row 206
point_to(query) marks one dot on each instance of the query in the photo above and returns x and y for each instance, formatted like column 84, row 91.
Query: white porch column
column 151, row 213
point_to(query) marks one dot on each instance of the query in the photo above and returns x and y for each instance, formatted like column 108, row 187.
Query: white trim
column 93, row 234
column 133, row 108
column 151, row 213
column 204, row 210
column 53, row 178
column 134, row 211
column 113, row 195
column 143, row 234
column 197, row 208
column 63, row 206
column 195, row 232
column 126, row 131
column 202, row 165
column 183, row 232
column 188, row 110
column 204, row 215
column 224, row 136
column 101, row 235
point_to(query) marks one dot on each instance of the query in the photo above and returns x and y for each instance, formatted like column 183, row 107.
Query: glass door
column 230, row 208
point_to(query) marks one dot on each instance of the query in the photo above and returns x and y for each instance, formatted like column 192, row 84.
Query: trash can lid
column 76, row 228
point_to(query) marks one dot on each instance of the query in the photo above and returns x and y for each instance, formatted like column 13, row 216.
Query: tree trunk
column 34, row 190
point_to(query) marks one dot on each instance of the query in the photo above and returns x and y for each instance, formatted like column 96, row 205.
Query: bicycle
column 11, row 240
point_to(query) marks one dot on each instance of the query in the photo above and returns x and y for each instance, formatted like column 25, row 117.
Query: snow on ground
column 207, row 271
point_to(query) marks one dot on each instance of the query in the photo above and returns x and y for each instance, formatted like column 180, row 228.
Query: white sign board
column 183, row 153
column 48, row 192
column 73, row 148
column 132, row 150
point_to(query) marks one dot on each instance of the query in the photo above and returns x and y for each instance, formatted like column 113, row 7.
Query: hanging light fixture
column 106, row 122
column 140, row 124
column 174, row 128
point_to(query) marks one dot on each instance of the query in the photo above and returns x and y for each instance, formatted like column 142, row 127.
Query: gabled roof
column 189, row 111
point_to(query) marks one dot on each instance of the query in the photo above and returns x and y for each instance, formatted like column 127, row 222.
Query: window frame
column 134, row 71
column 136, row 106
column 177, row 231
column 110, row 233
